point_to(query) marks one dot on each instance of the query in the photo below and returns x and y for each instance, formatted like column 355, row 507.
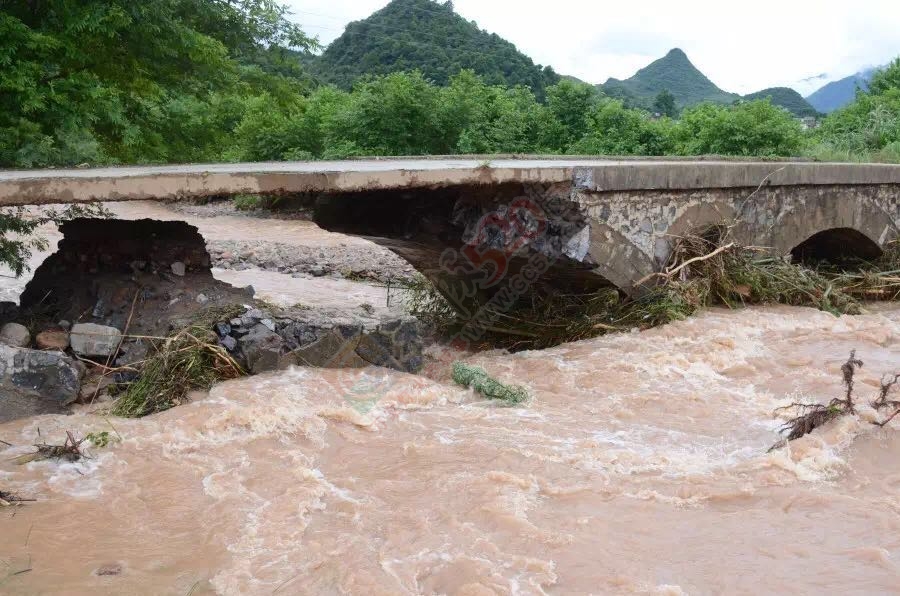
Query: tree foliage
column 868, row 128
column 111, row 80
column 664, row 104
column 754, row 128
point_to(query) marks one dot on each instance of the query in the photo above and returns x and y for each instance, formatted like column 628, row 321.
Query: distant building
column 809, row 122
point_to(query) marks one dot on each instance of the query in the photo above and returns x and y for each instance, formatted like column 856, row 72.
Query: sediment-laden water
column 639, row 466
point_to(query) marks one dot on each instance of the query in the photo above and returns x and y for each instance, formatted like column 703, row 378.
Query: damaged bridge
column 473, row 226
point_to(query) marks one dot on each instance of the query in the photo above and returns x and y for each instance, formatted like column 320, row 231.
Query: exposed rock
column 178, row 268
column 229, row 343
column 94, row 390
column 336, row 339
column 109, row 569
column 332, row 350
column 132, row 351
column 33, row 382
column 8, row 311
column 15, row 335
column 262, row 349
column 52, row 339
column 201, row 299
column 90, row 339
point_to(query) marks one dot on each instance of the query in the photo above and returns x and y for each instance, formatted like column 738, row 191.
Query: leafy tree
column 397, row 114
column 101, row 80
column 570, row 102
column 614, row 129
column 753, row 128
column 509, row 120
column 886, row 79
column 868, row 124
column 19, row 235
column 664, row 104
column 868, row 128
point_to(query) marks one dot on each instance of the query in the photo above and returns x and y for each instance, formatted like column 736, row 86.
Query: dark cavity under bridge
column 485, row 227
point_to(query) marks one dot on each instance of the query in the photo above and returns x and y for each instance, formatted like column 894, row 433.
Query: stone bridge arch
column 783, row 219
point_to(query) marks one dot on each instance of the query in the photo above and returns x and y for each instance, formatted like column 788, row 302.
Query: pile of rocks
column 46, row 373
column 43, row 374
column 328, row 338
column 149, row 279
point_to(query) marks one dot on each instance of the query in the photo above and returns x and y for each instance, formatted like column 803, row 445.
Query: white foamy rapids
column 639, row 466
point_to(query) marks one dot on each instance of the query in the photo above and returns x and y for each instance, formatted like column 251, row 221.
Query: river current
column 639, row 466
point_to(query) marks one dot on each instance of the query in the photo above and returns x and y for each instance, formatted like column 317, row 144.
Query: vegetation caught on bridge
column 706, row 268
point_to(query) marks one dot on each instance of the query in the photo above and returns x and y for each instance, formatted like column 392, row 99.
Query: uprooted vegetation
column 190, row 359
column 69, row 450
column 480, row 381
column 705, row 268
column 811, row 416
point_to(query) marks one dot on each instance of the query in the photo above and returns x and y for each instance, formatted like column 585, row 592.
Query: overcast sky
column 742, row 47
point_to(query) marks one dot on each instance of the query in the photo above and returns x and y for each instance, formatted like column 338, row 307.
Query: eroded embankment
column 638, row 466
column 119, row 296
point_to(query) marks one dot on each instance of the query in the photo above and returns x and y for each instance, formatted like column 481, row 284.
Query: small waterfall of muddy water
column 639, row 466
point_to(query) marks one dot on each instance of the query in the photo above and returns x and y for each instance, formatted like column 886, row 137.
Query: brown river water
column 639, row 466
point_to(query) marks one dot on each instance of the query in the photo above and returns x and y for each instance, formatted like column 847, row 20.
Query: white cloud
column 742, row 47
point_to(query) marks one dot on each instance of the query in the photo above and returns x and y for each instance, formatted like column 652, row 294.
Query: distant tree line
column 115, row 82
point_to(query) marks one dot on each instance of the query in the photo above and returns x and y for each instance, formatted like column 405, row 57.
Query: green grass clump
column 189, row 360
column 478, row 379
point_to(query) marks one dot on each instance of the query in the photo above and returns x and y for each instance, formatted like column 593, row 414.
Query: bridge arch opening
column 836, row 246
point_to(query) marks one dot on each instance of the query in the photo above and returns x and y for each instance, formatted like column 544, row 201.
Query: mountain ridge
column 837, row 94
column 673, row 72
column 676, row 74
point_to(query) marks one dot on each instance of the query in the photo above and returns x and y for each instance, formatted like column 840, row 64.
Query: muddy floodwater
column 639, row 466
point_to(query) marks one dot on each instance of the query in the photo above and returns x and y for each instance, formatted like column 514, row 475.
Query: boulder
column 178, row 268
column 336, row 339
column 262, row 349
column 15, row 335
column 332, row 350
column 33, row 382
column 52, row 339
column 90, row 339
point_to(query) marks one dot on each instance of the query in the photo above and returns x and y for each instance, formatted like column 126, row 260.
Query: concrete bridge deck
column 28, row 187
column 472, row 223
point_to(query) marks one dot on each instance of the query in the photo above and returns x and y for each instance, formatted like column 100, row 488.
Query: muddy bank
column 102, row 306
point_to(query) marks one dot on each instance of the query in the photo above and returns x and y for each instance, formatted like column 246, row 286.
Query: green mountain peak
column 428, row 36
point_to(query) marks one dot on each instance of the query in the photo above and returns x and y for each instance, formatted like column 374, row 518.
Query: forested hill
column 428, row 36
column 673, row 72
column 786, row 98
column 676, row 74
